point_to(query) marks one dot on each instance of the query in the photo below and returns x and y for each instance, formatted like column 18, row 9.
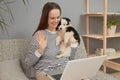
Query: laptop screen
column 82, row 68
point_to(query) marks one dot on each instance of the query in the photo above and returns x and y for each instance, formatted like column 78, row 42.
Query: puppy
column 70, row 37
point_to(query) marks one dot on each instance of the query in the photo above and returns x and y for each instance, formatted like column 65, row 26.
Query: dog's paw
column 59, row 54
column 57, row 43
column 58, row 40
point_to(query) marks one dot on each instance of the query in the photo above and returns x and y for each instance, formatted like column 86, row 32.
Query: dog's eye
column 63, row 24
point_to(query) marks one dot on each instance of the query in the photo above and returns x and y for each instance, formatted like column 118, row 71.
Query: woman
column 43, row 51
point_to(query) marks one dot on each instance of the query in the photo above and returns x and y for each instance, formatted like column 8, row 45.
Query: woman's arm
column 31, row 58
column 73, row 51
column 37, row 47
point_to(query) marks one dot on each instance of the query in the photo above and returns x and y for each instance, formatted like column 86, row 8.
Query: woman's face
column 53, row 19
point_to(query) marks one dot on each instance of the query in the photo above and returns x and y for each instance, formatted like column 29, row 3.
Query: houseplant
column 112, row 23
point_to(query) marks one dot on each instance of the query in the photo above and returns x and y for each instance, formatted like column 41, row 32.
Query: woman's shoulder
column 37, row 32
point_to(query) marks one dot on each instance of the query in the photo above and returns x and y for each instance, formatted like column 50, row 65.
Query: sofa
column 10, row 53
column 13, row 49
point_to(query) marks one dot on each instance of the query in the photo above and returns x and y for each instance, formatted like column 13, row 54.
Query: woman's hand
column 42, row 41
column 61, row 34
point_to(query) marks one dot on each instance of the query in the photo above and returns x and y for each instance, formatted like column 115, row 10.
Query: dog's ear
column 67, row 19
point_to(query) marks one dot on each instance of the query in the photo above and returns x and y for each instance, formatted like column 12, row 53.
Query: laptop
column 82, row 69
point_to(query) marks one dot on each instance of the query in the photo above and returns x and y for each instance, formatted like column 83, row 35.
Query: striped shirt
column 48, row 61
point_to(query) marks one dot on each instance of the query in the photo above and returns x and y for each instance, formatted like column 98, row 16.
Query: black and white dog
column 71, row 36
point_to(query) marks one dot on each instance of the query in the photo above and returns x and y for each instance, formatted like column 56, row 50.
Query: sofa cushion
column 11, row 70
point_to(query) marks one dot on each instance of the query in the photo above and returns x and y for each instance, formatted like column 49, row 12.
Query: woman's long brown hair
column 43, row 24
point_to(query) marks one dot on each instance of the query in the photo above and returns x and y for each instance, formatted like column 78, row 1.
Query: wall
column 26, row 18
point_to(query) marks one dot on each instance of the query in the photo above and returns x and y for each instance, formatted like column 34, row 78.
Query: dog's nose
column 60, row 28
